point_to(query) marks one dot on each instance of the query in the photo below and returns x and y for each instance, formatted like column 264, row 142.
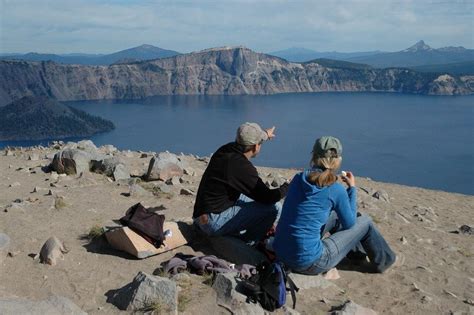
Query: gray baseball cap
column 250, row 134
column 326, row 147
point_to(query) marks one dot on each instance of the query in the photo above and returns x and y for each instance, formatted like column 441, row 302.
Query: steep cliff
column 213, row 71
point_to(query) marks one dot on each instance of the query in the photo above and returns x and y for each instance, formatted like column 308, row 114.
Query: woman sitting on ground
column 316, row 204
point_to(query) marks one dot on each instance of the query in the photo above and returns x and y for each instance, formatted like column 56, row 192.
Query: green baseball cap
column 328, row 146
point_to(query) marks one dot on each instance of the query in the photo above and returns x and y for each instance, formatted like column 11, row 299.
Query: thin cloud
column 105, row 26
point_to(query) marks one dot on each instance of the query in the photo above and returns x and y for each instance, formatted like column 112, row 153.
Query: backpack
column 146, row 223
column 269, row 286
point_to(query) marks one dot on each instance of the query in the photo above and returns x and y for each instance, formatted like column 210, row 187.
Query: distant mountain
column 457, row 68
column 39, row 117
column 226, row 70
column 143, row 52
column 417, row 55
column 296, row 54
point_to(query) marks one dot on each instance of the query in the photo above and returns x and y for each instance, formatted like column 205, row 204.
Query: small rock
column 189, row 171
column 143, row 155
column 18, row 200
column 464, row 229
column 175, row 181
column 426, row 299
column 424, row 268
column 403, row 239
column 381, row 195
column 469, row 301
column 186, row 192
column 15, row 184
column 52, row 250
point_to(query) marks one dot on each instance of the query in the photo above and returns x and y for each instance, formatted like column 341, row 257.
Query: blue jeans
column 247, row 219
column 362, row 237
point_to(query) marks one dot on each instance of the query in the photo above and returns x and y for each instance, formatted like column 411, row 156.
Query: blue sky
column 99, row 26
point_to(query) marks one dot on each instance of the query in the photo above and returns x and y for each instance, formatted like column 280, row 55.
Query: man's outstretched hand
column 270, row 132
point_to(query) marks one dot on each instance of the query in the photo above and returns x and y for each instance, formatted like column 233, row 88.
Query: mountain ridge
column 142, row 52
column 229, row 71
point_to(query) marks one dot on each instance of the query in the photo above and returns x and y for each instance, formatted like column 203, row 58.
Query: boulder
column 163, row 167
column 146, row 291
column 111, row 167
column 104, row 166
column 351, row 308
column 236, row 251
column 71, row 161
column 121, row 172
column 4, row 245
column 54, row 305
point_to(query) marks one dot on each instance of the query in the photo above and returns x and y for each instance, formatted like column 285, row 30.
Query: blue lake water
column 424, row 141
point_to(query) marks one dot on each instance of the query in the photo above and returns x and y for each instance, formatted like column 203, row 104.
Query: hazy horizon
column 101, row 27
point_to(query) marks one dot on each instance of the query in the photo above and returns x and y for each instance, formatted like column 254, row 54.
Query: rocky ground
column 434, row 273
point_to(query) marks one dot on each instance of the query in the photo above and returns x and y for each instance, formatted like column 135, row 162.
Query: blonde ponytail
column 329, row 165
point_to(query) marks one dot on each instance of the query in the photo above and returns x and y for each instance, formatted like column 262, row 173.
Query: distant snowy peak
column 418, row 47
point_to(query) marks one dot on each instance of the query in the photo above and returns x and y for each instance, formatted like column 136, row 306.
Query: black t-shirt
column 228, row 175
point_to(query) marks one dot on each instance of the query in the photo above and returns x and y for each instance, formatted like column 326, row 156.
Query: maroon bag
column 146, row 223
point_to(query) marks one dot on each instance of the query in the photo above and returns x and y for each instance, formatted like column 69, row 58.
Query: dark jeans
column 363, row 237
column 247, row 219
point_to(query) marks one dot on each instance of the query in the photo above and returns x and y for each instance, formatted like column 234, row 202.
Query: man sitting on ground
column 232, row 199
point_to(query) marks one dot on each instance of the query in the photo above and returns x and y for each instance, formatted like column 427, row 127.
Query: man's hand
column 270, row 132
column 349, row 179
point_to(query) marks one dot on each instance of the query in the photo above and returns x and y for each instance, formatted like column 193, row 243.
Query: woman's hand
column 349, row 179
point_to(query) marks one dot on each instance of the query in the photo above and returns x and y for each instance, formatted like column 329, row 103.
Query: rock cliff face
column 213, row 71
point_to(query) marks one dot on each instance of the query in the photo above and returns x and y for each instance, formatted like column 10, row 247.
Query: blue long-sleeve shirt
column 306, row 209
